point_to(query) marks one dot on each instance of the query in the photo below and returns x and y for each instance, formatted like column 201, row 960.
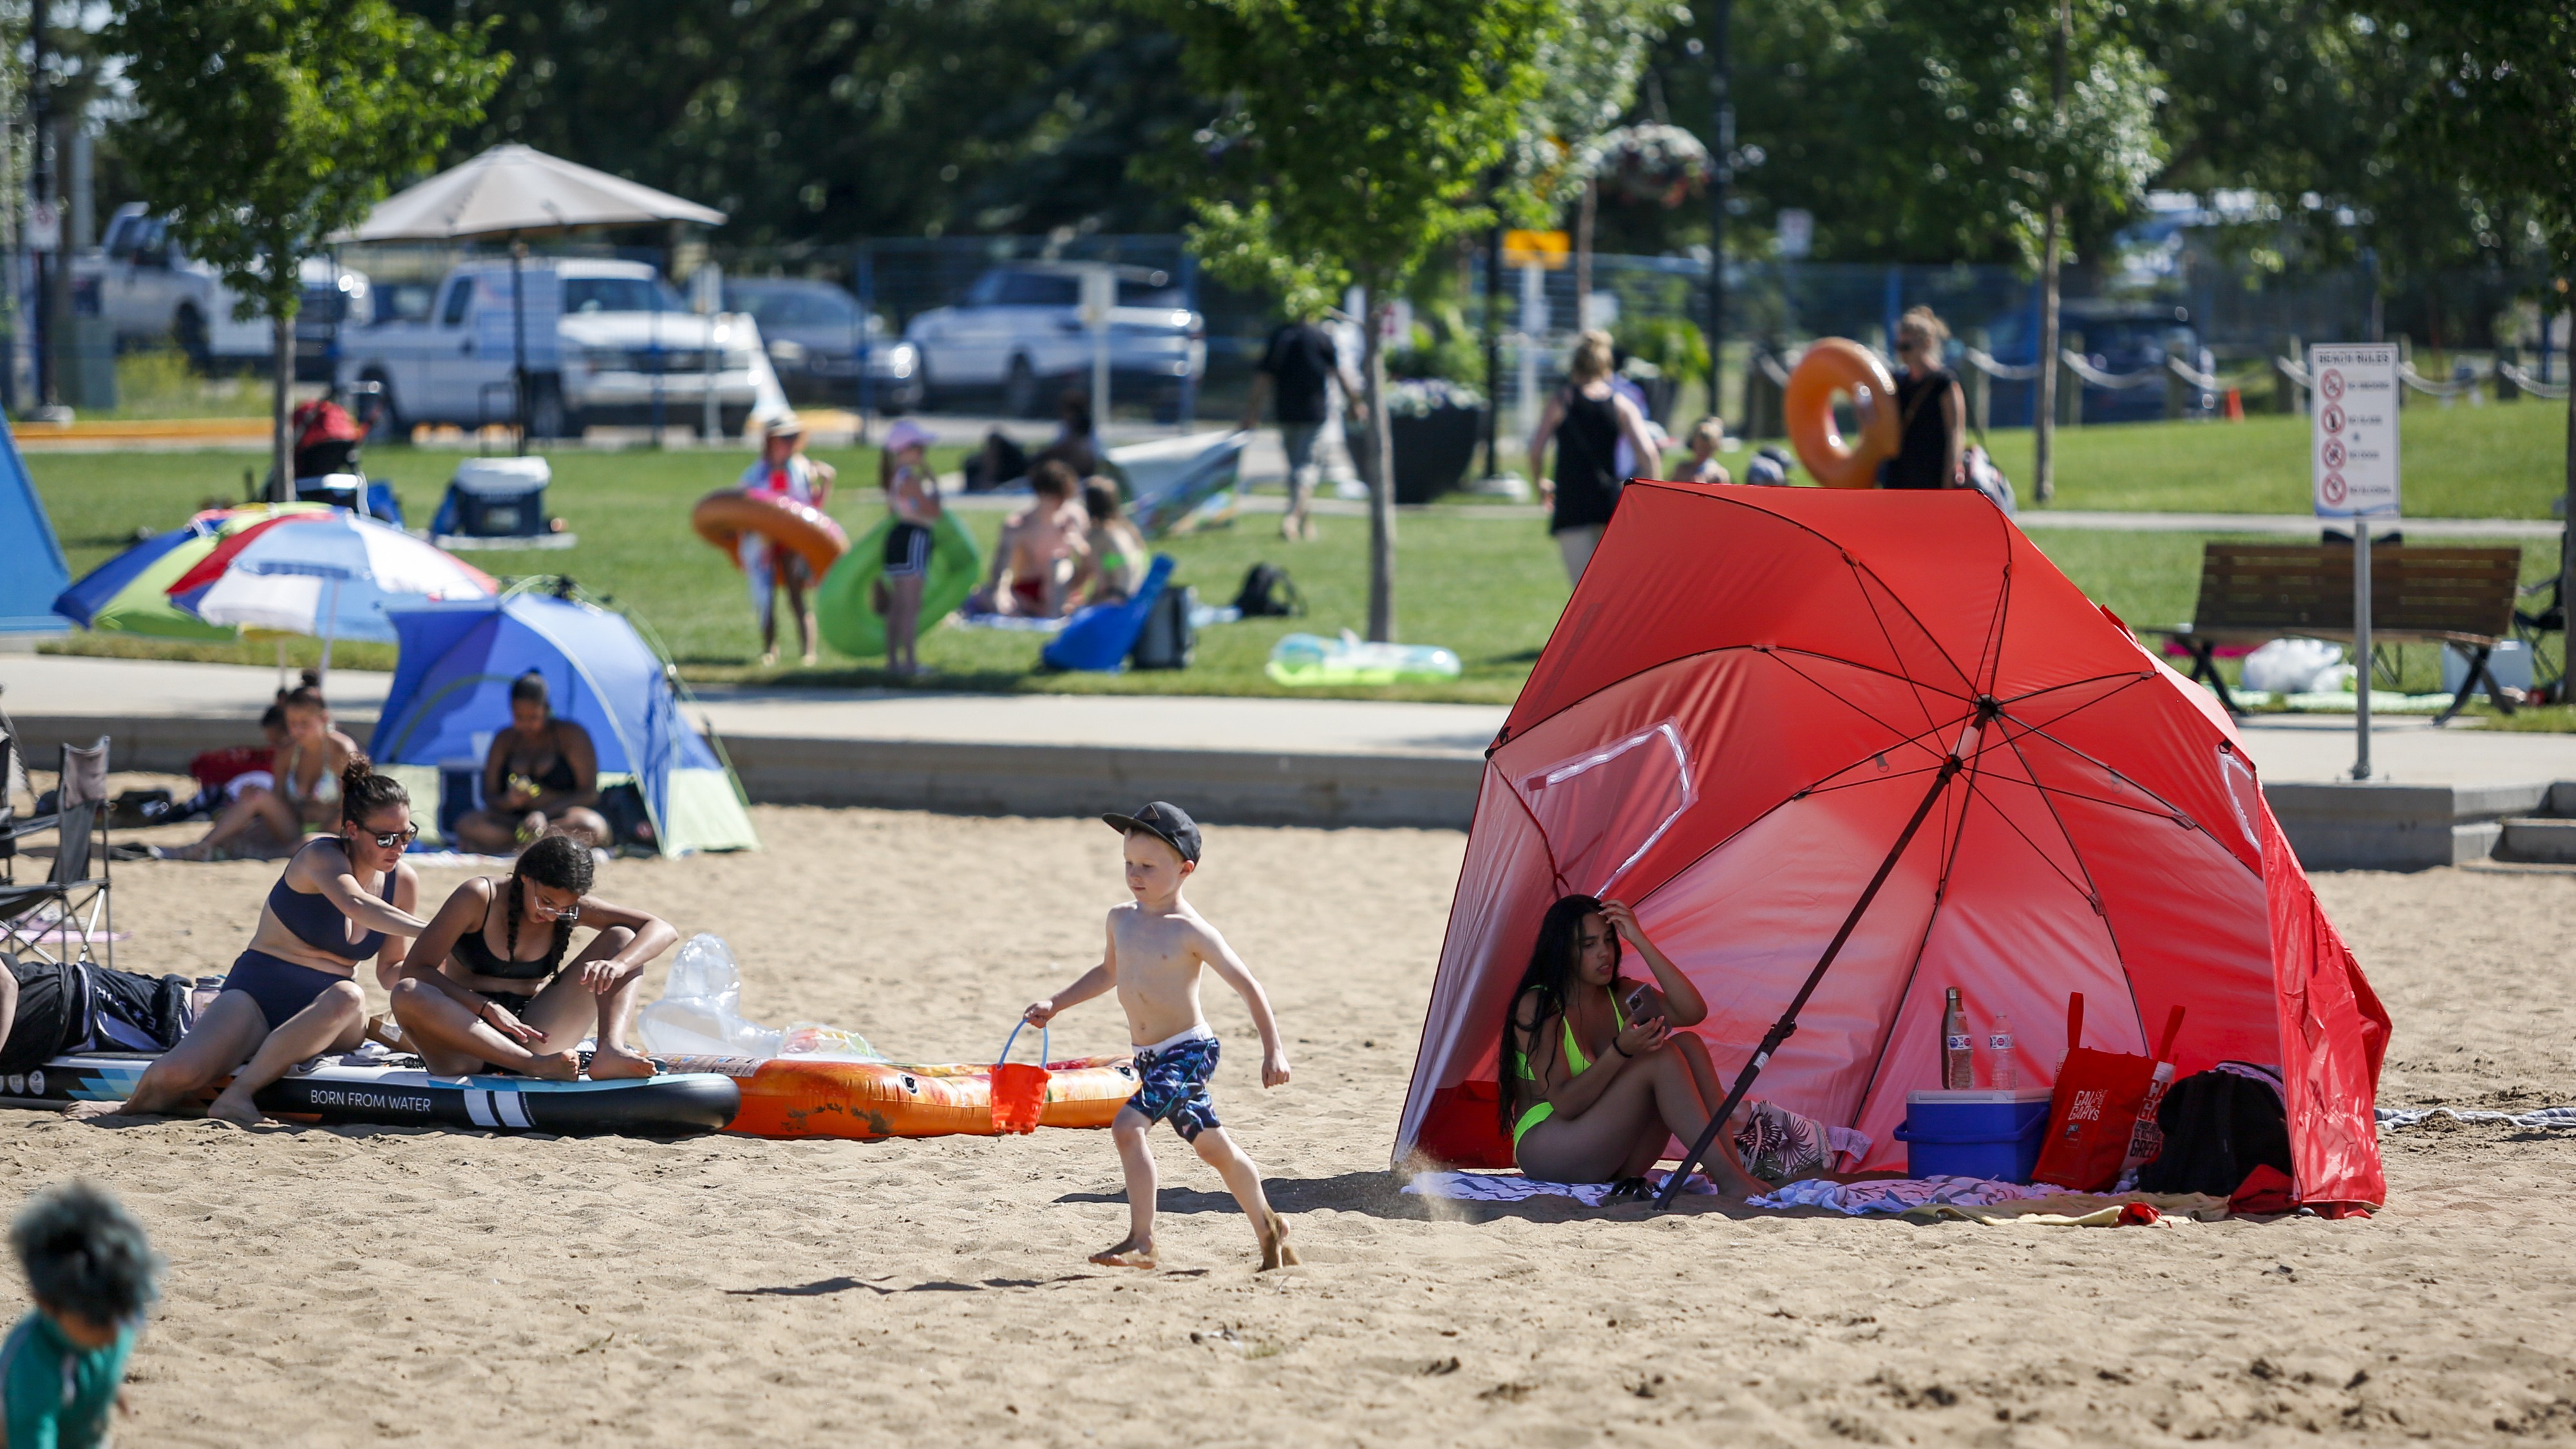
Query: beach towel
column 2537, row 1117
column 1512, row 1187
column 1016, row 623
column 1777, row 1144
column 1897, row 1195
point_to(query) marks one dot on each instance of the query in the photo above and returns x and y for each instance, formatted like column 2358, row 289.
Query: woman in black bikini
column 487, row 982
column 294, row 993
column 542, row 773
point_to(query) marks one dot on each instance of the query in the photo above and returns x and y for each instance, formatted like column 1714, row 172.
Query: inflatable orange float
column 806, row 1097
column 724, row 516
column 1835, row 365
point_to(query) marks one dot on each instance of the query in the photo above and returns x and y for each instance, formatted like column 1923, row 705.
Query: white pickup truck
column 157, row 295
column 606, row 341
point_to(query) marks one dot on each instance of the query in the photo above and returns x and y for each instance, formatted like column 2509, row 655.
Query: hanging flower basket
column 1662, row 164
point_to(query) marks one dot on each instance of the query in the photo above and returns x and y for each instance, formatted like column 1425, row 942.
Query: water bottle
column 1958, row 1048
column 2001, row 1061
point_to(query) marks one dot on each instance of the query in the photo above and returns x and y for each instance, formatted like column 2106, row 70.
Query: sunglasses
column 569, row 913
column 393, row 839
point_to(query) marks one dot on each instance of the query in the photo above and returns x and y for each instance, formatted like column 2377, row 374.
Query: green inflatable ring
column 845, row 609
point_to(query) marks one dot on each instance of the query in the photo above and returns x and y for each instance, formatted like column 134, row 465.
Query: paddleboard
column 395, row 1092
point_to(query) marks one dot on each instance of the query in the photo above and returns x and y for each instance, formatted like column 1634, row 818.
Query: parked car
column 607, row 342
column 155, row 294
column 2119, row 338
column 1020, row 330
column 812, row 331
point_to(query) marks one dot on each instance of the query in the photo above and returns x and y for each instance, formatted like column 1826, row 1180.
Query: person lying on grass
column 1599, row 1080
column 294, row 993
column 1157, row 945
column 487, row 982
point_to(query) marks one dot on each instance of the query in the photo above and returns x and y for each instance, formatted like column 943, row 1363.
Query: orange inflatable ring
column 803, row 1097
column 1834, row 365
column 724, row 516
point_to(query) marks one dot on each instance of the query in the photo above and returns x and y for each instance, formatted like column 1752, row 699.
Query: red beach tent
column 1752, row 692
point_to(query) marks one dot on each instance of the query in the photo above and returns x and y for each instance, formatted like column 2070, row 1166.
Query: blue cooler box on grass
column 1986, row 1133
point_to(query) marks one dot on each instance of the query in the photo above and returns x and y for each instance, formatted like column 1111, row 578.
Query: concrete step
column 2538, row 838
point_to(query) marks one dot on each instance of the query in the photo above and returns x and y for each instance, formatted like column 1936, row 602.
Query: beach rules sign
column 2352, row 432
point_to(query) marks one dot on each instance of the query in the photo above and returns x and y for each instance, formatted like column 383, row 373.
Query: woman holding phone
column 1596, row 1081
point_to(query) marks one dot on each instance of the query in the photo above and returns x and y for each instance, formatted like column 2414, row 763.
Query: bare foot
column 1275, row 1252
column 87, row 1111
column 769, row 659
column 562, row 1066
column 239, row 1111
column 1128, row 1254
column 811, row 659
column 612, row 1063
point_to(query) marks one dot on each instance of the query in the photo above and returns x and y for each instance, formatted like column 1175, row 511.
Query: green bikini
column 1576, row 1065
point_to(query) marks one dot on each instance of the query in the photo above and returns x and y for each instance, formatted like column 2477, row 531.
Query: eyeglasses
column 393, row 839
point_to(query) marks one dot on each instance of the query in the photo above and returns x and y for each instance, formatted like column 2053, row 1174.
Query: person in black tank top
column 1587, row 422
column 541, row 774
column 495, row 982
column 1931, row 412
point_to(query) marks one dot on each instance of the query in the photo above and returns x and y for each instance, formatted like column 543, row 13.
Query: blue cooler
column 1991, row 1134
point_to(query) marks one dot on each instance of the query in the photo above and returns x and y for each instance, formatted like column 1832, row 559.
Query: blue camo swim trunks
column 1173, row 1085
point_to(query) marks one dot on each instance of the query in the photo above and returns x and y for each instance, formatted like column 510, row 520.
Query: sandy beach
column 361, row 1285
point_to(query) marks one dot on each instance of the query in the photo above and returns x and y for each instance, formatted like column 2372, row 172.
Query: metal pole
column 41, row 184
column 867, row 280
column 1721, row 175
column 518, row 349
column 2361, row 642
column 1494, row 350
column 1788, row 1022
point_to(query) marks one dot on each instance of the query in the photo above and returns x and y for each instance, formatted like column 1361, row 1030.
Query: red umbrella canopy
column 1753, row 691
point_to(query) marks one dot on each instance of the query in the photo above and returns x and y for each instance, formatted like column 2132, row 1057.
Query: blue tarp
column 32, row 571
column 453, row 682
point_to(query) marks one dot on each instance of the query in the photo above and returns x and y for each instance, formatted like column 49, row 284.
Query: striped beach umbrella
column 129, row 594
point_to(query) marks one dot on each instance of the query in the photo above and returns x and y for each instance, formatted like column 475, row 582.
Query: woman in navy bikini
column 294, row 993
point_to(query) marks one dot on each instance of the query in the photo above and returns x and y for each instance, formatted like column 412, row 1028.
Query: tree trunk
column 1380, row 470
column 2043, row 436
column 1583, row 217
column 2567, row 538
column 281, row 488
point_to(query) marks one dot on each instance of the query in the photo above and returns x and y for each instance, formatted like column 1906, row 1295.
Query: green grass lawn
column 1486, row 586
column 2504, row 460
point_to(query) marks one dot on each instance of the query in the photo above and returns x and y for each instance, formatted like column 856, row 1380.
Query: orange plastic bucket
column 1019, row 1092
column 1835, row 365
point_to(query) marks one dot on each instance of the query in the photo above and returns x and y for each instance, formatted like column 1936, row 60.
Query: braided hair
column 363, row 792
column 557, row 861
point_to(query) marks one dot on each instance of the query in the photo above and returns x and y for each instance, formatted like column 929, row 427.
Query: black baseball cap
column 1165, row 822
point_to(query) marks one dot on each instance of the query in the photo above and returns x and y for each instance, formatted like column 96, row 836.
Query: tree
column 2500, row 109
column 1589, row 68
column 810, row 121
column 262, row 127
column 1356, row 140
column 2036, row 109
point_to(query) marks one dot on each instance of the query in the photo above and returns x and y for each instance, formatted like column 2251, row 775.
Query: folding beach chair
column 66, row 916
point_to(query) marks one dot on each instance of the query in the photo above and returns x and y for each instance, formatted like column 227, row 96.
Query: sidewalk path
column 2284, row 747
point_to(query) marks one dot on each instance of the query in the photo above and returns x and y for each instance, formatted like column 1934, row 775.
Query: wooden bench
column 2420, row 594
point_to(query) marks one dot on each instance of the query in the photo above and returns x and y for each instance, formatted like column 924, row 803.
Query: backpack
column 1169, row 640
column 1267, row 594
column 2219, row 1126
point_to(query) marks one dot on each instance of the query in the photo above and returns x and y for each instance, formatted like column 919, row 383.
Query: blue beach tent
column 32, row 570
column 451, row 691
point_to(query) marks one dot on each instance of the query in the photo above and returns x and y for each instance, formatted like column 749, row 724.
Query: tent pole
column 1788, row 1021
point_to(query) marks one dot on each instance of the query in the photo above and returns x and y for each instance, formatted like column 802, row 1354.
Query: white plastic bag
column 699, row 1013
column 2291, row 666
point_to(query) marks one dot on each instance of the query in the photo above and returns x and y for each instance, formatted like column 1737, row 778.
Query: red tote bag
column 2095, row 1107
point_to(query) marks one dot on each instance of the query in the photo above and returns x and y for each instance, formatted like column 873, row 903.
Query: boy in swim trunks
column 1157, row 945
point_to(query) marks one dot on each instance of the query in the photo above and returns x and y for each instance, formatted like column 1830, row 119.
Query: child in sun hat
column 1157, row 946
column 91, row 1272
column 912, row 496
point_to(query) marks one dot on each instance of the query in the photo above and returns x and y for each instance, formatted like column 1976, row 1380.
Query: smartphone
column 1641, row 1003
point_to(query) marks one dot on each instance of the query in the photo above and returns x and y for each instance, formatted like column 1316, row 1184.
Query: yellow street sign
column 1548, row 249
